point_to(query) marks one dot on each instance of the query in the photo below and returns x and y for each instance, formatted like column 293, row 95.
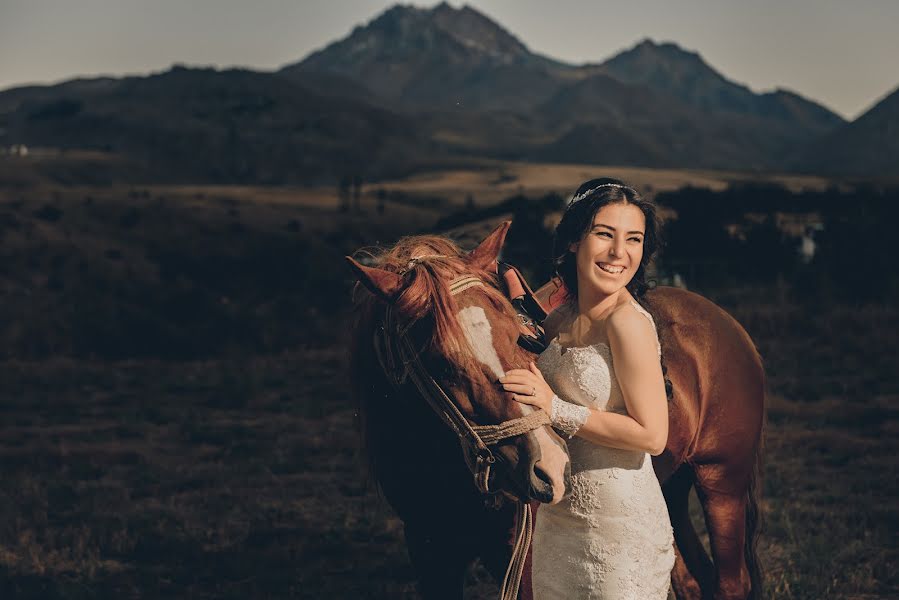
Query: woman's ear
column 572, row 247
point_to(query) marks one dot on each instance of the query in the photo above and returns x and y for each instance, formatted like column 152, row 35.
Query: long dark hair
column 577, row 221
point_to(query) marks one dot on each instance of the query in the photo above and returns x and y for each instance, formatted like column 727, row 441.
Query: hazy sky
column 842, row 54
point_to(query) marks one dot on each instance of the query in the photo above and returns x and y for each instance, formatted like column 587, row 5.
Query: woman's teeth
column 610, row 269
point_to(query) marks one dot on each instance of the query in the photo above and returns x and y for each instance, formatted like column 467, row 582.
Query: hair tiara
column 586, row 193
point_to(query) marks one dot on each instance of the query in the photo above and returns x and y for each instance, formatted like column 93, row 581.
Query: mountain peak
column 670, row 69
column 428, row 56
column 478, row 32
column 648, row 53
column 409, row 30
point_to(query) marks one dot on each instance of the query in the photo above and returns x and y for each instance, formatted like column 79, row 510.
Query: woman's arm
column 639, row 373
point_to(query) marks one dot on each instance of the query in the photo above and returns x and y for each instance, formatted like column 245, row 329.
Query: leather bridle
column 400, row 361
column 475, row 440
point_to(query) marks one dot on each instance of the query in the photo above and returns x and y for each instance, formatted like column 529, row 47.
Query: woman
column 601, row 380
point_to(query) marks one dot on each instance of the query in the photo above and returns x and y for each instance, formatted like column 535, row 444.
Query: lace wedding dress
column 611, row 537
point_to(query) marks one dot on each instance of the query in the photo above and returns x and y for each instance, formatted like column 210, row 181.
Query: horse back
column 717, row 409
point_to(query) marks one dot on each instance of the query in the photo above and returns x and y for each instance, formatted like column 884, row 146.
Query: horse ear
column 484, row 256
column 381, row 283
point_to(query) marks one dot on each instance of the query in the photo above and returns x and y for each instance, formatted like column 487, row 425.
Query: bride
column 601, row 381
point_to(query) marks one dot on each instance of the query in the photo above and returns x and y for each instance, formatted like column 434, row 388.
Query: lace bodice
column 583, row 374
column 611, row 536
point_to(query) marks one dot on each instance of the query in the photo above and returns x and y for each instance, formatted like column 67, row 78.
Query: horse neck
column 399, row 428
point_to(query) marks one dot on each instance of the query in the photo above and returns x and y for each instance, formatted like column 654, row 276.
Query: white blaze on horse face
column 479, row 336
column 553, row 458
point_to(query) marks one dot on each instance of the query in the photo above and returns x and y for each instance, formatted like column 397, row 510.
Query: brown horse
column 447, row 303
column 717, row 415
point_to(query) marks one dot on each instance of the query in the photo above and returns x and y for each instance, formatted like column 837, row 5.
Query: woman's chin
column 608, row 286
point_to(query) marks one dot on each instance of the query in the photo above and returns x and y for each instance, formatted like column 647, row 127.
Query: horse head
column 446, row 322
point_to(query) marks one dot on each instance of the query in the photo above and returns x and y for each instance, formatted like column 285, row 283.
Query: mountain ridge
column 421, row 86
column 447, row 61
column 484, row 44
column 869, row 144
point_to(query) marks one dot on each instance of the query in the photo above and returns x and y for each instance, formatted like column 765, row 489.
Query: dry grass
column 499, row 180
column 241, row 477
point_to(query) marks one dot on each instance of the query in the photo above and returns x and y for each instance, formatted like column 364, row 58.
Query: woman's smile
column 610, row 268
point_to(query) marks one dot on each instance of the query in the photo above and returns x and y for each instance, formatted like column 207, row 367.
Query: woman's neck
column 596, row 306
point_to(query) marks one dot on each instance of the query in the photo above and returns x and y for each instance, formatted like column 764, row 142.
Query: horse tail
column 754, row 517
column 753, row 526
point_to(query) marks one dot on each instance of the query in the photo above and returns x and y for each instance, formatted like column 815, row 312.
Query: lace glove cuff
column 568, row 417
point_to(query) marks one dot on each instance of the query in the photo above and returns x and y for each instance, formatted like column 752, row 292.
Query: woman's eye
column 603, row 233
column 634, row 239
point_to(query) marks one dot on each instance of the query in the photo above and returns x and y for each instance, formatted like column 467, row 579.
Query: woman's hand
column 529, row 387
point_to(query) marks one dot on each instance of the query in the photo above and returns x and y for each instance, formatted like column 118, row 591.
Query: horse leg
column 440, row 560
column 693, row 571
column 724, row 503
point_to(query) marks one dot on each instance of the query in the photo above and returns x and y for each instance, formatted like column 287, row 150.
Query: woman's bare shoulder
column 625, row 316
column 627, row 322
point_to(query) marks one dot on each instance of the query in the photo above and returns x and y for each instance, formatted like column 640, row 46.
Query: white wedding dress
column 611, row 537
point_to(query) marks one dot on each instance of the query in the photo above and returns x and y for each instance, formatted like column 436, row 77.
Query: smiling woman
column 640, row 232
column 601, row 380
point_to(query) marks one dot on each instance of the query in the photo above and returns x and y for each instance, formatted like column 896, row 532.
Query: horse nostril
column 541, row 484
column 541, row 475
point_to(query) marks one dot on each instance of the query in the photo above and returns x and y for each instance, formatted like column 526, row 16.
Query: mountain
column 480, row 89
column 607, row 121
column 422, row 87
column 208, row 125
column 443, row 58
column 866, row 147
column 437, row 59
column 669, row 69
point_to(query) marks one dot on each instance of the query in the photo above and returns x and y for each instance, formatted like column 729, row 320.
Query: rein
column 474, row 439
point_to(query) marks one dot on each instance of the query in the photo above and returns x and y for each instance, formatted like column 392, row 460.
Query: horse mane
column 425, row 293
column 424, row 296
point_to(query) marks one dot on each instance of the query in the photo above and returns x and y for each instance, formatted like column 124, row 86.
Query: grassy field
column 238, row 474
column 499, row 180
column 242, row 478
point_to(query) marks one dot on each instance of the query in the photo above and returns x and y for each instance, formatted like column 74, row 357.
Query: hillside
column 669, row 69
column 207, row 125
column 868, row 146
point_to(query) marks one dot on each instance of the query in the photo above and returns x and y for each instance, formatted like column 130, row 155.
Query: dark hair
column 577, row 220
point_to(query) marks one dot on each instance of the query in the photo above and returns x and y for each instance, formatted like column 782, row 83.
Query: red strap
column 513, row 284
